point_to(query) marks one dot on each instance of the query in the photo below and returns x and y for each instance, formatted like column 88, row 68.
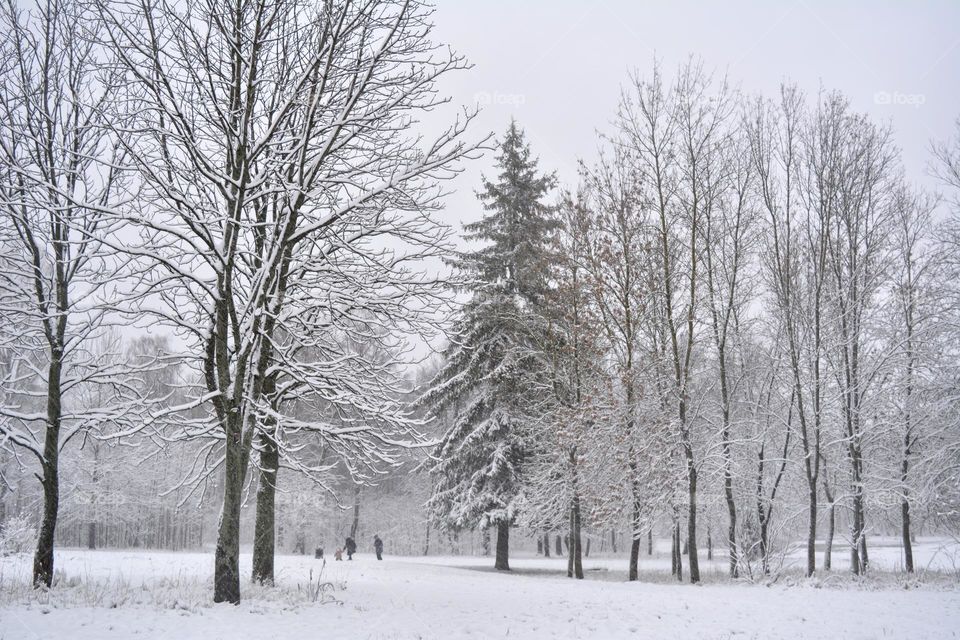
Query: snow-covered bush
column 17, row 535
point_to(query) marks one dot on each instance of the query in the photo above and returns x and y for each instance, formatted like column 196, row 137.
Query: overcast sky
column 557, row 66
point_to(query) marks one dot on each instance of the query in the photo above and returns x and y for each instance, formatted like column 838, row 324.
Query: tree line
column 742, row 306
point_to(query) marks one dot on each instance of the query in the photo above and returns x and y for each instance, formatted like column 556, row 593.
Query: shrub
column 17, row 535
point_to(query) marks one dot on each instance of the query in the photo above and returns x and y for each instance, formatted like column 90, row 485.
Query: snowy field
column 136, row 594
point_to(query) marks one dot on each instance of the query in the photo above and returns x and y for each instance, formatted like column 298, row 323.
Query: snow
column 149, row 594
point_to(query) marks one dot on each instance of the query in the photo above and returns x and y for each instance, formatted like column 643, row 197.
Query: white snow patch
column 167, row 595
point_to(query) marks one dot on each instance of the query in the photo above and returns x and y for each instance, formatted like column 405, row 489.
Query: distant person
column 378, row 547
column 338, row 554
column 318, row 553
column 351, row 547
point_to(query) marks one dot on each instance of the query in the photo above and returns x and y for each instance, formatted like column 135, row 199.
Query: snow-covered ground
column 136, row 594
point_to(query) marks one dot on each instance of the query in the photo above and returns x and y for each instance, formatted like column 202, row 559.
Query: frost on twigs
column 17, row 535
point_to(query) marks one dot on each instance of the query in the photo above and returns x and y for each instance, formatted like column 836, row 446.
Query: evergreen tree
column 494, row 364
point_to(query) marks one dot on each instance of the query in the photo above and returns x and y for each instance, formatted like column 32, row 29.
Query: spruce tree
column 494, row 363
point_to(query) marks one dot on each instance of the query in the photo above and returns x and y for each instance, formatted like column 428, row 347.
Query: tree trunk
column 864, row 559
column 831, row 526
column 264, row 536
column 613, row 540
column 485, row 541
column 650, row 541
column 226, row 575
column 732, row 528
column 905, row 533
column 426, row 541
column 812, row 529
column 905, row 500
column 356, row 513
column 858, row 556
column 503, row 546
column 692, row 522
column 546, row 545
column 634, row 551
column 858, row 563
column 673, row 549
column 764, row 551
column 559, row 545
column 677, row 556
column 95, row 481
column 43, row 558
column 576, row 546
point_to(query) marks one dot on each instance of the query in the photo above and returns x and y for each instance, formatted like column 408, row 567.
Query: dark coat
column 350, row 546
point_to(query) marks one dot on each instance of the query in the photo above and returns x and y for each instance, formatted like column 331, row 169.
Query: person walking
column 350, row 546
column 378, row 546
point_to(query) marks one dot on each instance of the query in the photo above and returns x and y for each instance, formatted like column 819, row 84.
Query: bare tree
column 677, row 137
column 59, row 172
column 849, row 177
column 270, row 135
column 727, row 238
column 795, row 264
column 564, row 455
column 619, row 267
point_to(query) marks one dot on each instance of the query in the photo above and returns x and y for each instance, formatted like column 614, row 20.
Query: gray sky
column 557, row 65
